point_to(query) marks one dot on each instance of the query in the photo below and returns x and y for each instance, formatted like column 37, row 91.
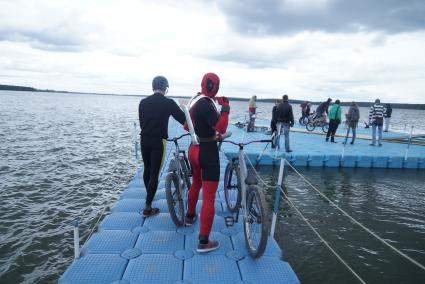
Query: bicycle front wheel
column 310, row 126
column 174, row 199
column 185, row 173
column 232, row 192
column 256, row 222
column 325, row 127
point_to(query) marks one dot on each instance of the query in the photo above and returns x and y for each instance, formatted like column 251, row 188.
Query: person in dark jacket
column 387, row 117
column 285, row 120
column 273, row 121
column 154, row 113
column 353, row 117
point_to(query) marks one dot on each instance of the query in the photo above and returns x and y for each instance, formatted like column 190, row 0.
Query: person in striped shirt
column 376, row 119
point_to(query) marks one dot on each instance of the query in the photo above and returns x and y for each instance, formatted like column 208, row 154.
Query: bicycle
column 303, row 120
column 241, row 191
column 177, row 183
column 318, row 122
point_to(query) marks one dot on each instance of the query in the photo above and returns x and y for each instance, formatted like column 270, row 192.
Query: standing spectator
column 273, row 121
column 353, row 117
column 334, row 121
column 252, row 107
column 387, row 117
column 285, row 120
column 322, row 109
column 376, row 119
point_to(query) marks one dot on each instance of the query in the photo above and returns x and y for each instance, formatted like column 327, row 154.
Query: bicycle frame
column 243, row 175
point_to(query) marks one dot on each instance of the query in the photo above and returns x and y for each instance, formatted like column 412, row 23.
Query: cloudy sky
column 309, row 49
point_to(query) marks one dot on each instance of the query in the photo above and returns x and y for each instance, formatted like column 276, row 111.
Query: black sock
column 203, row 239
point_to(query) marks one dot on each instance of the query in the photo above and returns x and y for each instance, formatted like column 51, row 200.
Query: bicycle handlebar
column 177, row 138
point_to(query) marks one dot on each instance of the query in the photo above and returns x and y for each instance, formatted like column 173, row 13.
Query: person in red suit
column 204, row 158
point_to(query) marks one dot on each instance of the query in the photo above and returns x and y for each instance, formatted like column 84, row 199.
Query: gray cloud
column 254, row 60
column 44, row 40
column 277, row 17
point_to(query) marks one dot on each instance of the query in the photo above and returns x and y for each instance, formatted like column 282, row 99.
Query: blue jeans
column 348, row 133
column 283, row 126
column 374, row 125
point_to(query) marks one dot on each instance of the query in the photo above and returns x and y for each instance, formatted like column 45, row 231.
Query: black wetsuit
column 154, row 113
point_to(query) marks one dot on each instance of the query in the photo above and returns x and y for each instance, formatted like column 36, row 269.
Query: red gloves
column 224, row 102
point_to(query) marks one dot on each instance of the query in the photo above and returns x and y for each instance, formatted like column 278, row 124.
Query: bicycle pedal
column 229, row 221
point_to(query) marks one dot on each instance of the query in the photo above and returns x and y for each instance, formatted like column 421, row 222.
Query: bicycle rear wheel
column 174, row 199
column 303, row 121
column 256, row 223
column 232, row 192
column 274, row 139
column 310, row 126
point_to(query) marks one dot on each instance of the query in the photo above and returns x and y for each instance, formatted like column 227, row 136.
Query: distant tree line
column 21, row 88
column 362, row 104
column 17, row 88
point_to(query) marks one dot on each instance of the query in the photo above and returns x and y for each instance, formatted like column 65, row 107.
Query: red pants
column 208, row 193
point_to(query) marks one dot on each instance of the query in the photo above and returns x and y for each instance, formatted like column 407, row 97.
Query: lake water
column 65, row 156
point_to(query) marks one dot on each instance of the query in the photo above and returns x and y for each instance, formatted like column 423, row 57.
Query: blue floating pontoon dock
column 130, row 249
column 311, row 150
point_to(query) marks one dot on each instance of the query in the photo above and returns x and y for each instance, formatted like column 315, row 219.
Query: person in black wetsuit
column 204, row 158
column 154, row 113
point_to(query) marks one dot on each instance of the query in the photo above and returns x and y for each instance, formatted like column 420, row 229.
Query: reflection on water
column 389, row 202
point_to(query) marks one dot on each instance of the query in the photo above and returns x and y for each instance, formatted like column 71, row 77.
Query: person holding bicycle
column 204, row 158
column 154, row 113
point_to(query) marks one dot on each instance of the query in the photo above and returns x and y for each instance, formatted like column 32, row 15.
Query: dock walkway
column 130, row 249
column 310, row 149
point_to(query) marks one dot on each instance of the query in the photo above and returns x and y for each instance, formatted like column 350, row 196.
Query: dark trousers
column 333, row 126
column 153, row 156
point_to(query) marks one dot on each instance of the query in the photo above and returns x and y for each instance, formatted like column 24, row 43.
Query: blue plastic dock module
column 130, row 249
column 311, row 150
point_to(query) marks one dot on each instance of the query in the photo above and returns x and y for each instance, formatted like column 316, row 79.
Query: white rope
column 105, row 207
column 357, row 222
column 321, row 238
column 97, row 222
column 255, row 171
column 308, row 223
column 98, row 194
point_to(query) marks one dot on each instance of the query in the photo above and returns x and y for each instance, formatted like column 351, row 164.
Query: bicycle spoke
column 255, row 222
column 233, row 189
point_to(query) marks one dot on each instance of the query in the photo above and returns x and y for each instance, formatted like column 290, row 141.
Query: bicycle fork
column 245, row 181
